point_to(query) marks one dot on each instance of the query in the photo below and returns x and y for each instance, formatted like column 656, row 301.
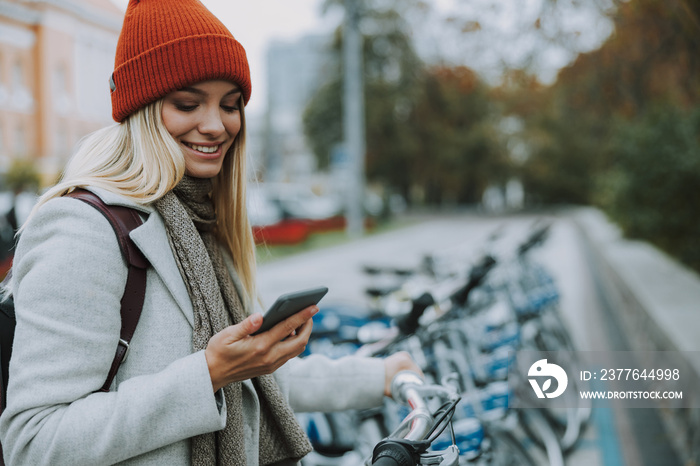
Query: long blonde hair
column 139, row 159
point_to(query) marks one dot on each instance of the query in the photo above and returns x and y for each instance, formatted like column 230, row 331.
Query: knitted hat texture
column 166, row 45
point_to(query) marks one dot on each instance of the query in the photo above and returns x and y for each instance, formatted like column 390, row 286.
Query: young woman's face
column 204, row 118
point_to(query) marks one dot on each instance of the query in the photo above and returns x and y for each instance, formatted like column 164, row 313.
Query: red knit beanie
column 166, row 45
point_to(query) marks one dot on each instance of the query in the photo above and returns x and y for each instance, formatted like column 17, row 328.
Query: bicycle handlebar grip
column 476, row 276
column 535, row 238
column 387, row 461
column 409, row 323
column 392, row 453
column 482, row 268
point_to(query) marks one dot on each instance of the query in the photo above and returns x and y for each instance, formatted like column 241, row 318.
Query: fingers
column 395, row 363
column 290, row 325
column 289, row 337
column 234, row 354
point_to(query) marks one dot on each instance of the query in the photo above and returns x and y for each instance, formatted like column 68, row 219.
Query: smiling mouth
column 204, row 149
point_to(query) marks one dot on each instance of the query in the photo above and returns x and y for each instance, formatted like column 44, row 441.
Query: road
column 616, row 437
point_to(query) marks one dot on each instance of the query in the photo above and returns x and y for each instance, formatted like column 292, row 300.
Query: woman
column 196, row 388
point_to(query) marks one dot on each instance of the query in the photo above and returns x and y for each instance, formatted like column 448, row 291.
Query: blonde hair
column 139, row 159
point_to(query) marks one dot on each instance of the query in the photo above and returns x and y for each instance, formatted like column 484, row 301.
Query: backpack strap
column 123, row 221
column 7, row 335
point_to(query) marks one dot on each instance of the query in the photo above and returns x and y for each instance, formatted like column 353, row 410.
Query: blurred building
column 295, row 70
column 56, row 57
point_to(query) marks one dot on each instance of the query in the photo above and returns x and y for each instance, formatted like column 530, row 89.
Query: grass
column 268, row 252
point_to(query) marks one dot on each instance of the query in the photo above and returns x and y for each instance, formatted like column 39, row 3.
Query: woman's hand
column 396, row 363
column 234, row 354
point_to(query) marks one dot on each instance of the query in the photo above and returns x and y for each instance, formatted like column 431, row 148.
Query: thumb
column 251, row 323
column 241, row 330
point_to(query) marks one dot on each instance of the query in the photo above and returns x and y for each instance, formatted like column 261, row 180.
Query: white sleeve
column 318, row 383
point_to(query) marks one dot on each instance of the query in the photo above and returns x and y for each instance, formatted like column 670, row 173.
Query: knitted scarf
column 189, row 217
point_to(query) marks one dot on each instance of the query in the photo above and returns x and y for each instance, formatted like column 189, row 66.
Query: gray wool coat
column 68, row 279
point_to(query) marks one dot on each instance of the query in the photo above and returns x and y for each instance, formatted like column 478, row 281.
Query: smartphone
column 289, row 304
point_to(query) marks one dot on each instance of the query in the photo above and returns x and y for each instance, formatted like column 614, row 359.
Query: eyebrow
column 194, row 90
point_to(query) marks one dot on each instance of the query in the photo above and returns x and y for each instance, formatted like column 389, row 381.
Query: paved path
column 611, row 440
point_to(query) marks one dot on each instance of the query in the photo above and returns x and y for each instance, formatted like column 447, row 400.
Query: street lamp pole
column 354, row 117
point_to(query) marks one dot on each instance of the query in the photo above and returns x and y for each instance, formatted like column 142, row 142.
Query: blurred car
column 262, row 210
column 300, row 201
column 287, row 213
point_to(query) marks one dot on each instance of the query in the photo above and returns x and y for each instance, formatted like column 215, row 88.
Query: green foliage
column 22, row 175
column 391, row 70
column 323, row 121
column 568, row 152
column 652, row 191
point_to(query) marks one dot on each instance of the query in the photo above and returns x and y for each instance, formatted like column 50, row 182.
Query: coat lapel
column 151, row 238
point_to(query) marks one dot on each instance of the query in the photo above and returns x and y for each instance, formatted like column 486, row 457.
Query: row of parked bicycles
column 463, row 316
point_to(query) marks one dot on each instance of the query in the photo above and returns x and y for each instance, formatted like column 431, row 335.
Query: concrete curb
column 657, row 303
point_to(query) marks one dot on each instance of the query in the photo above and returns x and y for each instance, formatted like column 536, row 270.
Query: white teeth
column 205, row 149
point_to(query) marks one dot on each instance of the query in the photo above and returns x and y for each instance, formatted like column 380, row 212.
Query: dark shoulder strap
column 7, row 335
column 123, row 220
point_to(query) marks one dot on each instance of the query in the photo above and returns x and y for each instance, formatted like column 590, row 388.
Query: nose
column 211, row 123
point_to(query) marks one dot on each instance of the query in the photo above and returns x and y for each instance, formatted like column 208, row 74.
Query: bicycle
column 459, row 320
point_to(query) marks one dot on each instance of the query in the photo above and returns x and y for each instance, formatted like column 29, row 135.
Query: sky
column 258, row 22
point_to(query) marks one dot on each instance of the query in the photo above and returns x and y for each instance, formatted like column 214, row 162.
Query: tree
column 620, row 127
column 22, row 175
column 652, row 188
column 461, row 153
column 426, row 129
column 392, row 71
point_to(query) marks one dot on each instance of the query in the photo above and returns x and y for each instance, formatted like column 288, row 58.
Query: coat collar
column 152, row 239
column 111, row 198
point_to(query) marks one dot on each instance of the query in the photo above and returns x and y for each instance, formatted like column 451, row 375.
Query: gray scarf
column 189, row 217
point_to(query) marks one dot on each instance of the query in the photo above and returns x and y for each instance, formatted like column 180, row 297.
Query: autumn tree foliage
column 429, row 130
column 620, row 127
column 562, row 155
column 653, row 55
column 460, row 152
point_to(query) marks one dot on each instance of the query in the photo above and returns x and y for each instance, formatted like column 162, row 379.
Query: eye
column 229, row 108
column 185, row 107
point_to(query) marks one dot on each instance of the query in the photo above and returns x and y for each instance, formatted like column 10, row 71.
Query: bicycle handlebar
column 405, row 388
column 476, row 276
column 393, row 453
column 409, row 323
column 386, row 461
column 405, row 445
